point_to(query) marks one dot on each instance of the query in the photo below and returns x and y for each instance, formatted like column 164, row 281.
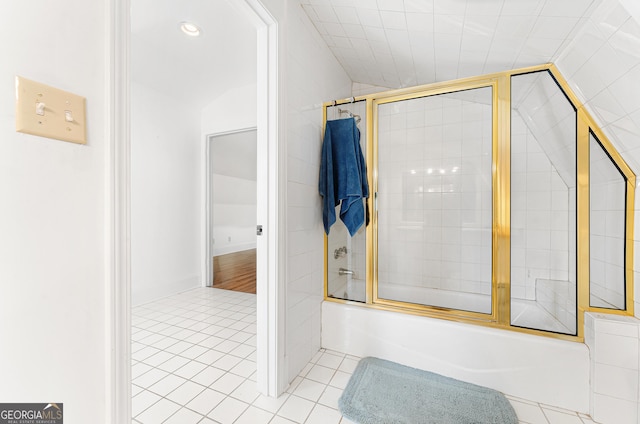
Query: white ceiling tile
column 329, row 40
column 393, row 20
column 381, row 47
column 401, row 42
column 519, row 26
column 522, row 8
column 360, row 44
column 480, row 25
column 608, row 64
column 626, row 41
column 326, row 13
column 467, row 69
column 311, row 12
column 486, row 7
column 446, row 71
column 370, row 17
column 419, row 21
column 449, row 7
column 606, row 105
column 375, row 34
column 553, row 27
column 347, row 15
column 627, row 90
column 354, row 31
column 424, row 6
column 398, row 39
column 565, row 8
column 474, row 42
column 448, row 24
column 393, row 5
column 335, row 29
column 541, row 46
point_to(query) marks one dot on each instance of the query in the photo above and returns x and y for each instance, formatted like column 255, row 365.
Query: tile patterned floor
column 194, row 361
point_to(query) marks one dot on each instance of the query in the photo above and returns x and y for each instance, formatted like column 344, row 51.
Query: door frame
column 207, row 218
column 271, row 375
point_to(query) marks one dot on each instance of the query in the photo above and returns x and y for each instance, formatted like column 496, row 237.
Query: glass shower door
column 434, row 216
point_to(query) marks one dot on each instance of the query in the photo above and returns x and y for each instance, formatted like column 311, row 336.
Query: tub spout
column 344, row 271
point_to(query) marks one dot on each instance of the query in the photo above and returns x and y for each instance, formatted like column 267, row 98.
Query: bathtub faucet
column 344, row 271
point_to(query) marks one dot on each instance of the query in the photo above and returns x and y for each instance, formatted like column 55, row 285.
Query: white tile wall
column 602, row 65
column 313, row 76
column 613, row 343
column 434, row 228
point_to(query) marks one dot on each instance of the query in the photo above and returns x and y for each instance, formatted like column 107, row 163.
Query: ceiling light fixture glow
column 190, row 29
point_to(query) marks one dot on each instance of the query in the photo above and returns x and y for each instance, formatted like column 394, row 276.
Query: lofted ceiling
column 195, row 70
column 402, row 43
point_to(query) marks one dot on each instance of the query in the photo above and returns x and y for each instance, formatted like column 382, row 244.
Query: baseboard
column 160, row 290
column 224, row 250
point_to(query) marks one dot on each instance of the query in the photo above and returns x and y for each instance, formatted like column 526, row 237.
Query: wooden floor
column 235, row 271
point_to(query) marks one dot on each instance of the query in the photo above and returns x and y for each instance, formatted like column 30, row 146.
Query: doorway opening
column 269, row 355
column 232, row 210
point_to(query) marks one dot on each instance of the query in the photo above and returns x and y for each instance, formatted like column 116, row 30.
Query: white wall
column 312, row 76
column 234, row 110
column 234, row 214
column 165, row 195
column 53, row 282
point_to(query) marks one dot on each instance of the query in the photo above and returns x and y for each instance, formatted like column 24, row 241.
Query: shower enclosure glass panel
column 607, row 197
column 543, row 205
column 346, row 256
column 434, row 214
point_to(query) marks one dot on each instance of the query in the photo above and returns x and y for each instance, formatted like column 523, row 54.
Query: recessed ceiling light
column 190, row 29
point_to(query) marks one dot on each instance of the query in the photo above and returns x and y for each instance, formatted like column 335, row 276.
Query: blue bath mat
column 383, row 392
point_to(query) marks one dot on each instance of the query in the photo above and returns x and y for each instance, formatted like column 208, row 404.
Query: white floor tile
column 158, row 358
column 270, row 404
column 184, row 416
column 205, row 401
column 190, row 369
column 227, row 383
column 528, row 413
column 330, row 360
column 244, row 368
column 309, row 389
column 330, row 397
column 281, row 420
column 246, row 392
column 150, row 377
column 167, row 385
column 208, row 376
column 323, row 415
column 227, row 362
column 173, row 364
column 185, row 393
column 158, row 412
column 210, row 356
column 340, row 380
column 320, row 374
column 296, row 409
column 177, row 356
column 142, row 401
column 254, row 415
column 555, row 417
column 228, row 411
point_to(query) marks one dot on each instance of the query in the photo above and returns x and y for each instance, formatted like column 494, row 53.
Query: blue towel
column 343, row 175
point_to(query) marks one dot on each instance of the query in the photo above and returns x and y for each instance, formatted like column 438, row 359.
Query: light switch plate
column 49, row 112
